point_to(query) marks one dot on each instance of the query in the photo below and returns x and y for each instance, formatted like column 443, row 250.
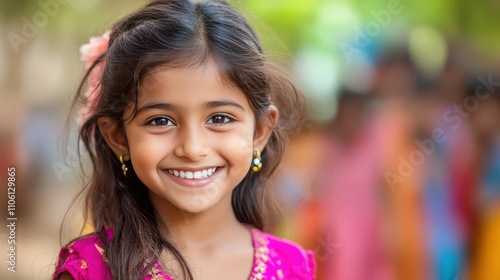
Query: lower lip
column 193, row 183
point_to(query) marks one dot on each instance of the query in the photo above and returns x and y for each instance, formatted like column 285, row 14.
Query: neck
column 208, row 229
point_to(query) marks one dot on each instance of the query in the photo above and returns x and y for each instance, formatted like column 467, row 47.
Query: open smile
column 199, row 174
column 193, row 177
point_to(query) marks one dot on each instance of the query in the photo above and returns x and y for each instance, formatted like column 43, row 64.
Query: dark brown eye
column 160, row 121
column 219, row 119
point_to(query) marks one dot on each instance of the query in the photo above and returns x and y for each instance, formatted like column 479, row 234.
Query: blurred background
column 396, row 177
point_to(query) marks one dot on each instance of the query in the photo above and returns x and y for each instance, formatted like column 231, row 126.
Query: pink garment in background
column 352, row 192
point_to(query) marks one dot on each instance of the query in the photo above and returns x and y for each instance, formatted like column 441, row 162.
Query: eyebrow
column 152, row 106
column 223, row 103
column 208, row 105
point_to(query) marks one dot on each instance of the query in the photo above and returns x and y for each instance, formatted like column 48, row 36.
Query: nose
column 191, row 143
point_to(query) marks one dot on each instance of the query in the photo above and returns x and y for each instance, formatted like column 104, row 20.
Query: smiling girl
column 185, row 120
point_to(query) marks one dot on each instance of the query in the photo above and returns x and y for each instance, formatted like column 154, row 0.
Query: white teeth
column 205, row 173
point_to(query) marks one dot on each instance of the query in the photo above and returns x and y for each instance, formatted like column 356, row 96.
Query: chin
column 197, row 206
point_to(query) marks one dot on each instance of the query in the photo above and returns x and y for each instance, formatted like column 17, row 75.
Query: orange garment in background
column 304, row 223
column 486, row 264
column 404, row 198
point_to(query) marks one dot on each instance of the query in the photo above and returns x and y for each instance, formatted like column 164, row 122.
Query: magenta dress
column 274, row 258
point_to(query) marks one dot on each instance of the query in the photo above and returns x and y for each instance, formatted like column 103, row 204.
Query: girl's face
column 192, row 139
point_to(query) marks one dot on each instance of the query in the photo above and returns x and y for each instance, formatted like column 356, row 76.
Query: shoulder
column 286, row 257
column 285, row 247
column 83, row 259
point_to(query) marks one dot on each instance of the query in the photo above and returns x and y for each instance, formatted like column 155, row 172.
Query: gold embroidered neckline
column 261, row 255
column 260, row 258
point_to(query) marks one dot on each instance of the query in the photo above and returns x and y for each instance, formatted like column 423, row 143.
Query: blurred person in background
column 350, row 191
column 394, row 84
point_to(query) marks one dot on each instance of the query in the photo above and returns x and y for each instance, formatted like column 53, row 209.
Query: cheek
column 145, row 150
column 237, row 149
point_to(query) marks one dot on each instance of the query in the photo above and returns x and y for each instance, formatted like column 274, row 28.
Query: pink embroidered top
column 274, row 258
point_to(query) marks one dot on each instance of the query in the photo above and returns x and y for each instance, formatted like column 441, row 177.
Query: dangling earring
column 257, row 164
column 124, row 168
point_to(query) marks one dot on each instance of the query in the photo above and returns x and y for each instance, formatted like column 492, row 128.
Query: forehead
column 195, row 83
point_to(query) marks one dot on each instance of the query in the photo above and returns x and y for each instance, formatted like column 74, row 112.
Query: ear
column 265, row 127
column 114, row 137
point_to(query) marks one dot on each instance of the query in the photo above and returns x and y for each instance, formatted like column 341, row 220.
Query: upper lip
column 191, row 168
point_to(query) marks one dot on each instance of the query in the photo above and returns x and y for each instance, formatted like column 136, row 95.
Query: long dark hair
column 176, row 33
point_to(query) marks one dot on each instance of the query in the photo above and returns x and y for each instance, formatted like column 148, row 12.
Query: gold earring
column 257, row 164
column 124, row 168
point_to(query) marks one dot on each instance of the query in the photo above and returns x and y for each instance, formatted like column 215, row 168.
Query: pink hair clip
column 89, row 54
